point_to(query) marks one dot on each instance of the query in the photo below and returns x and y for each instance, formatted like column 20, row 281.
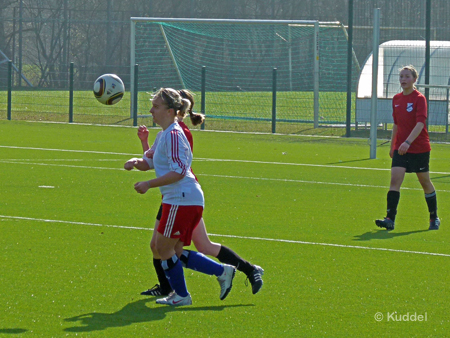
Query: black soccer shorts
column 413, row 163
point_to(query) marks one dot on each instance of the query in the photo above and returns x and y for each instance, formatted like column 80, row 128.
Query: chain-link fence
column 403, row 42
column 42, row 41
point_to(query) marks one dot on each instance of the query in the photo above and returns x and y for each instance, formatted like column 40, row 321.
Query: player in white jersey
column 199, row 236
column 183, row 202
column 173, row 144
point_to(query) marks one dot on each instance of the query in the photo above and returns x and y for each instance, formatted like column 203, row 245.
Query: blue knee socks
column 196, row 261
column 174, row 273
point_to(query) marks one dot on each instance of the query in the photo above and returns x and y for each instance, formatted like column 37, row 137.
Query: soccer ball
column 109, row 89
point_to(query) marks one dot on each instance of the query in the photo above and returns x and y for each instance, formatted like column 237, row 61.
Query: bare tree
column 94, row 34
column 4, row 38
column 4, row 4
column 48, row 40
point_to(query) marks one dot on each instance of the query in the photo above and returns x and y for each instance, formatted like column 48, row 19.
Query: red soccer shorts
column 179, row 221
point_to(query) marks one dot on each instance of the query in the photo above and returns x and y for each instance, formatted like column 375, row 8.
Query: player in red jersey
column 199, row 235
column 410, row 148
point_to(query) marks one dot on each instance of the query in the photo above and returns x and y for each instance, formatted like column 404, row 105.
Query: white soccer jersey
column 173, row 153
column 153, row 147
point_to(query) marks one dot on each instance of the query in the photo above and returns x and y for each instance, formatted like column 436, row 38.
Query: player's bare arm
column 169, row 178
column 137, row 163
column 412, row 136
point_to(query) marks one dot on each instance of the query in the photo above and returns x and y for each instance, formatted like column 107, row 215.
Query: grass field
column 53, row 105
column 75, row 254
column 227, row 111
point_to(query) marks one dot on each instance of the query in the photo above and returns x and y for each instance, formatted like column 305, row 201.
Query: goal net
column 238, row 57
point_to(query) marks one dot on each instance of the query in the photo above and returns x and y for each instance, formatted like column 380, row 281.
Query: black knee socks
column 394, row 196
column 228, row 256
column 432, row 204
column 163, row 282
column 392, row 202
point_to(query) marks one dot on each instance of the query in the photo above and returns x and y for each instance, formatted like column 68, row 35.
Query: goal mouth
column 239, row 58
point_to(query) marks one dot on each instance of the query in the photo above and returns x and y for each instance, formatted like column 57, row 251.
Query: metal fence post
column 374, row 101
column 446, row 120
column 71, row 93
column 349, row 71
column 203, row 107
column 9, row 89
column 135, row 94
column 154, row 91
column 274, row 100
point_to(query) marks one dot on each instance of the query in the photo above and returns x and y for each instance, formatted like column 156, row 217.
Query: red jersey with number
column 408, row 110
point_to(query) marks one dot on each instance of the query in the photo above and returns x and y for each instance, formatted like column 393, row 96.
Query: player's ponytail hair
column 196, row 118
column 173, row 100
column 185, row 107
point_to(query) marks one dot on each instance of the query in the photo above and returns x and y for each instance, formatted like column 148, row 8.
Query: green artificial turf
column 75, row 253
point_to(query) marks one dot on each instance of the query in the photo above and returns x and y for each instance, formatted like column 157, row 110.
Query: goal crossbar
column 221, row 21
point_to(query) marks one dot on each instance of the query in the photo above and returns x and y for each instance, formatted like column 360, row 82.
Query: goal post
column 239, row 56
column 438, row 106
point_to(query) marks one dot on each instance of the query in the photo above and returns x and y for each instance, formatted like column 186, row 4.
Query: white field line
column 223, row 176
column 58, row 165
column 381, row 141
column 67, row 159
column 200, row 159
column 232, row 236
column 65, row 150
column 195, row 130
column 215, row 160
column 313, row 182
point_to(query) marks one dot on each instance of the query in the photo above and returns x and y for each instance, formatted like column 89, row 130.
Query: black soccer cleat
column 156, row 291
column 386, row 223
column 255, row 279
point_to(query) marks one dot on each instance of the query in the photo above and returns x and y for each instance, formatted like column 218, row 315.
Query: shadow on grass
column 122, row 121
column 135, row 312
column 12, row 331
column 384, row 234
column 341, row 162
column 441, row 179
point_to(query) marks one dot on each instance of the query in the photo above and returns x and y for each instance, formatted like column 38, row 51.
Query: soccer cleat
column 175, row 300
column 226, row 280
column 156, row 291
column 386, row 223
column 255, row 279
column 434, row 224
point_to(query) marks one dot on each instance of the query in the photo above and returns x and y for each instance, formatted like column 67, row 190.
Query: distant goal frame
column 314, row 23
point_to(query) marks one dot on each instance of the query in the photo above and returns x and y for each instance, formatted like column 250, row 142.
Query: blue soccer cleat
column 434, row 224
column 386, row 223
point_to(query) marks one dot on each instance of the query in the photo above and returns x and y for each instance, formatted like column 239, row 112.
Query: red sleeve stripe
column 175, row 150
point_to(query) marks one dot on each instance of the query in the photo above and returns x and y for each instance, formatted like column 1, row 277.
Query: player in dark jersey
column 199, row 236
column 410, row 148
